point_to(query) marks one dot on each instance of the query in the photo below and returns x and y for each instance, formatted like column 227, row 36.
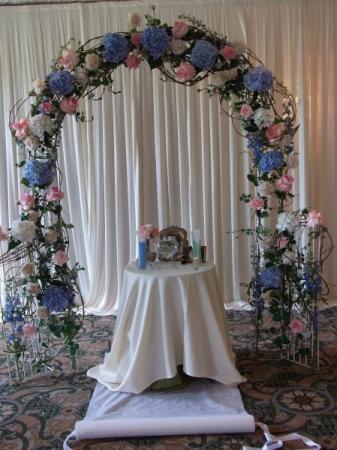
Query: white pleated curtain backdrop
column 162, row 153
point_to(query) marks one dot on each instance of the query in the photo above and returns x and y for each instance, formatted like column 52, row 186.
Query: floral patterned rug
column 40, row 413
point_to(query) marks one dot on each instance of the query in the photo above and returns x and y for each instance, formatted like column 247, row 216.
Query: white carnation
column 39, row 86
column 265, row 189
column 92, row 61
column 81, row 76
column 264, row 117
column 220, row 78
column 23, row 230
column 40, row 123
column 178, row 46
column 31, row 142
column 286, row 221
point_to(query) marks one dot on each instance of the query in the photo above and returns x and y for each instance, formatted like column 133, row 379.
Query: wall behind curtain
column 162, row 153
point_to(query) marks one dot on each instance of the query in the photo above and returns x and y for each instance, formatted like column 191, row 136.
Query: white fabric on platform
column 167, row 317
column 203, row 406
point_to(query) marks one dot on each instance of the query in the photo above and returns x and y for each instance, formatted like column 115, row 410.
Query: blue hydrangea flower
column 116, row 47
column 258, row 79
column 12, row 311
column 39, row 173
column 255, row 145
column 271, row 161
column 271, row 278
column 61, row 82
column 312, row 282
column 156, row 41
column 204, row 54
column 57, row 299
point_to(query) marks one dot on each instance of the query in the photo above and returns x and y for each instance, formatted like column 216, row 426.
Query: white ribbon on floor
column 275, row 442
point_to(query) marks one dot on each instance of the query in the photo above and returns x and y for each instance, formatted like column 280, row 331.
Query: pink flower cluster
column 21, row 128
column 228, row 52
column 185, row 72
column 148, row 231
column 69, row 105
column 29, row 329
column 27, row 200
column 179, row 29
column 284, row 183
column 60, row 258
column 275, row 132
column 256, row 203
column 297, row 326
column 315, row 219
column 133, row 61
column 69, row 59
column 54, row 194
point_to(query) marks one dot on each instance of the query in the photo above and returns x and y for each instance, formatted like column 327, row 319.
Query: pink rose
column 28, row 330
column 69, row 59
column 292, row 161
column 297, row 326
column 3, row 235
column 133, row 61
column 256, row 203
column 228, row 52
column 284, row 183
column 246, row 111
column 54, row 195
column 275, row 132
column 282, row 242
column 69, row 105
column 185, row 72
column 154, row 233
column 47, row 107
column 179, row 29
column 136, row 38
column 21, row 128
column 27, row 269
column 27, row 200
column 60, row 258
column 315, row 218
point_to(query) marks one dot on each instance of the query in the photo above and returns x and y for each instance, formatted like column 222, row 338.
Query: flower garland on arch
column 286, row 268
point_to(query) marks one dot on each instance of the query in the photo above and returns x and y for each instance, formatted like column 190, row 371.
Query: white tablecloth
column 167, row 317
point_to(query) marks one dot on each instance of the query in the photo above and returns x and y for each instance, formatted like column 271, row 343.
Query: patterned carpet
column 39, row 414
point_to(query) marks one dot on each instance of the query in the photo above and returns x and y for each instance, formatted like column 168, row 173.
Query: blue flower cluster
column 39, row 173
column 204, row 55
column 271, row 161
column 61, row 82
column 156, row 41
column 312, row 282
column 57, row 299
column 255, row 145
column 271, row 278
column 258, row 79
column 12, row 311
column 116, row 47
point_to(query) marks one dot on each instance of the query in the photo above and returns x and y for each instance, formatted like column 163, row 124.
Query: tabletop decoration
column 287, row 259
column 146, row 235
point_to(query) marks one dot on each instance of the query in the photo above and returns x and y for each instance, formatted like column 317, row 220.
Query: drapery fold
column 162, row 153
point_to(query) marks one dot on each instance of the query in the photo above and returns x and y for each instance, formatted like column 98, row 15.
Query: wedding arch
column 42, row 290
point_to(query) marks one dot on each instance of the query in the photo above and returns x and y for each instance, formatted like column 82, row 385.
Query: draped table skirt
column 167, row 317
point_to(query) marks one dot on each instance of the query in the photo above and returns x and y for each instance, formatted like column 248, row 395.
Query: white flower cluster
column 40, row 123
column 264, row 117
column 23, row 230
column 286, row 221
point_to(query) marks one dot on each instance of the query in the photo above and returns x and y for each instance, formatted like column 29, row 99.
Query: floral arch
column 41, row 286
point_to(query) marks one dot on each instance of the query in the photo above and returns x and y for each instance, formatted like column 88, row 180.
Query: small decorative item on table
column 196, row 249
column 203, row 254
column 146, row 234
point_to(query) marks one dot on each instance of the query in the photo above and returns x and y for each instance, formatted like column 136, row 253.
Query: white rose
column 292, row 161
column 92, row 61
column 39, row 86
column 264, row 117
column 134, row 20
column 265, row 188
column 33, row 215
column 81, row 76
column 220, row 78
column 34, row 288
column 23, row 230
column 51, row 236
column 286, row 221
column 178, row 46
column 288, row 257
column 286, row 140
column 40, row 123
column 31, row 142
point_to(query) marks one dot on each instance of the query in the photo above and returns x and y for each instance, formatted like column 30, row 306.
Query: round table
column 167, row 317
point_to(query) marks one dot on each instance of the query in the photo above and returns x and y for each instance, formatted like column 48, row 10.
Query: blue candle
column 142, row 254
